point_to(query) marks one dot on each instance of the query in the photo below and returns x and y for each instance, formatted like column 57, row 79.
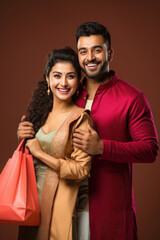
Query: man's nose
column 90, row 56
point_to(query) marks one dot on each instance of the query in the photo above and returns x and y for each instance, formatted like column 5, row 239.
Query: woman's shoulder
column 83, row 116
column 78, row 109
column 80, row 112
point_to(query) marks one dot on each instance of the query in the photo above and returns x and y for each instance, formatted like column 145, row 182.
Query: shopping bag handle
column 21, row 147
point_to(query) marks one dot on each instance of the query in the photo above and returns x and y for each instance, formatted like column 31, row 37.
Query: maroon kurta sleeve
column 143, row 145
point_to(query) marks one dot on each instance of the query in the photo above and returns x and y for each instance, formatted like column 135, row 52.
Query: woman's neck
column 62, row 106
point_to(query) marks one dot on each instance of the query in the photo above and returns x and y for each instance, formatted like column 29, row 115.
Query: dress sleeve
column 78, row 166
column 143, row 146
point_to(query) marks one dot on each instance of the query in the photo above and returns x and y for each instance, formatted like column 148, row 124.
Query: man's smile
column 92, row 66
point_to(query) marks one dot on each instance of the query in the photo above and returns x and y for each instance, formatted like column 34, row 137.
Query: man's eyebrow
column 83, row 48
column 96, row 46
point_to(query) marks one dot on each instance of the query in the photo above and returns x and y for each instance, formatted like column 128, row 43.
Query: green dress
column 45, row 141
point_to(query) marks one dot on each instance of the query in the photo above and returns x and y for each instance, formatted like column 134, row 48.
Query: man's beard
column 99, row 77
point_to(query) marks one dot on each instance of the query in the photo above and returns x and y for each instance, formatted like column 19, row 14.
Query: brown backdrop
column 30, row 29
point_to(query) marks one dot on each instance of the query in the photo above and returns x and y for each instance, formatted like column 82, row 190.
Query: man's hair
column 94, row 28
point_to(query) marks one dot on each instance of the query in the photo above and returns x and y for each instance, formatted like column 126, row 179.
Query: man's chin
column 91, row 74
column 99, row 77
column 98, row 74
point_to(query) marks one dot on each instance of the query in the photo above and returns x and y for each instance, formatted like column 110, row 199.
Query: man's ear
column 111, row 53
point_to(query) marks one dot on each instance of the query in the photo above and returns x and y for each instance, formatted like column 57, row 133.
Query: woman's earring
column 48, row 90
column 77, row 92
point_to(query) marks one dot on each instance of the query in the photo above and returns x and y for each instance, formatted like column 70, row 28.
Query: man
column 124, row 134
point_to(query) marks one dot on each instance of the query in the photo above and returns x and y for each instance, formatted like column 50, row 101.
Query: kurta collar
column 104, row 86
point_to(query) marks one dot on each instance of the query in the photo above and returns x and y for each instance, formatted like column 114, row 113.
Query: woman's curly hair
column 41, row 103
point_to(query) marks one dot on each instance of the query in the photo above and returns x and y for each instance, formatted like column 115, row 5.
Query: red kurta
column 123, row 119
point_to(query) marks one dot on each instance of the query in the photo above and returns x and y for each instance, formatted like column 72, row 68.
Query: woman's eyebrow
column 71, row 73
column 57, row 72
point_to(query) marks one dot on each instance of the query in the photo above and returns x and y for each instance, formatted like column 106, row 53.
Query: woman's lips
column 63, row 90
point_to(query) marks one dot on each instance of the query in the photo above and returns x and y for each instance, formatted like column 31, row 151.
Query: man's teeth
column 92, row 65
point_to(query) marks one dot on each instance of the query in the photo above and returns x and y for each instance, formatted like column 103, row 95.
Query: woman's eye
column 71, row 76
column 57, row 76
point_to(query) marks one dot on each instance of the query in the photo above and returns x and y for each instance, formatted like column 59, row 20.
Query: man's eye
column 83, row 52
column 97, row 50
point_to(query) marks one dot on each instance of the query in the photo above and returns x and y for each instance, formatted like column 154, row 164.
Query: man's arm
column 25, row 129
column 89, row 142
column 142, row 148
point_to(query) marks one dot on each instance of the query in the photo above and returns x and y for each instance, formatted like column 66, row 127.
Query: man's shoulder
column 127, row 88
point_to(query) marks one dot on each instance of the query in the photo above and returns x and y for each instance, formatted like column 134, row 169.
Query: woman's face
column 63, row 80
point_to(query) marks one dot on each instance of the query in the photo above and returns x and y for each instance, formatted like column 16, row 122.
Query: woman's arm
column 36, row 151
column 77, row 167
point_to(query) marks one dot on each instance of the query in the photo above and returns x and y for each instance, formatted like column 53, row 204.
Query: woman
column 59, row 167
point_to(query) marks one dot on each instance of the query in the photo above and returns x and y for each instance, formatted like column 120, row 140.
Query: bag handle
column 21, row 147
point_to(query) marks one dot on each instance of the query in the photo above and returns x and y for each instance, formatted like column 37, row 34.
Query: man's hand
column 89, row 142
column 25, row 129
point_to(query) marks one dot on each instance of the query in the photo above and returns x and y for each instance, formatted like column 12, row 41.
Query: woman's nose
column 63, row 81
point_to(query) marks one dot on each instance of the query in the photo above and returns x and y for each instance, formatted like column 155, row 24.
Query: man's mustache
column 93, row 61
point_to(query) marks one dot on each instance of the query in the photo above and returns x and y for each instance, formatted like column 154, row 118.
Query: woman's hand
column 34, row 147
column 37, row 152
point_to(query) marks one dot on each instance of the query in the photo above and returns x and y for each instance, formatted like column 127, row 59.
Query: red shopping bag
column 19, row 203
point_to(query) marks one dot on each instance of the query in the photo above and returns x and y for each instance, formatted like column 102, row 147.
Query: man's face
column 93, row 55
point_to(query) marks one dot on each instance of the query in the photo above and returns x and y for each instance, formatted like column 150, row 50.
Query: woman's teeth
column 63, row 90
